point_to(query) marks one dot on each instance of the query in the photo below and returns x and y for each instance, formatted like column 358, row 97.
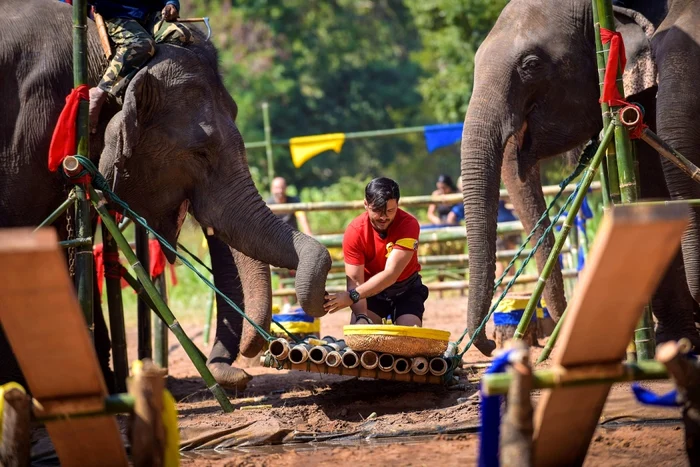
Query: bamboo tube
column 84, row 259
column 498, row 383
column 102, row 33
column 360, row 372
column 438, row 366
column 59, row 210
column 420, row 365
column 386, row 362
column 369, row 360
column 279, row 348
column 299, row 353
column 333, row 359
column 401, row 366
column 147, row 433
column 350, row 359
column 319, row 353
column 553, row 258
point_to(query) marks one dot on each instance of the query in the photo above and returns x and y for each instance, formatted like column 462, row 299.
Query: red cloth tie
column 616, row 56
column 63, row 141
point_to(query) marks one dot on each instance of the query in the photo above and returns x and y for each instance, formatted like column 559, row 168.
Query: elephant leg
column 528, row 201
column 103, row 345
column 229, row 324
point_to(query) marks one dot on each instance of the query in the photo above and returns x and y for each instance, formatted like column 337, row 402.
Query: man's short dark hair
column 379, row 191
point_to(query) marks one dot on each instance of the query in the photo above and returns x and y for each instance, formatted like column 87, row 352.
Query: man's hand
column 338, row 301
column 169, row 12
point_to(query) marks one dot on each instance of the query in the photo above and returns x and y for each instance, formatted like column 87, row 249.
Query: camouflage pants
column 135, row 44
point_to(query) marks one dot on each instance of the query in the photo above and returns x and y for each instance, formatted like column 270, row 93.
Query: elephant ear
column 640, row 72
column 140, row 104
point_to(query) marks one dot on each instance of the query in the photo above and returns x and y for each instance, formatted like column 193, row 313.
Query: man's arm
column 395, row 264
column 355, row 278
column 304, row 223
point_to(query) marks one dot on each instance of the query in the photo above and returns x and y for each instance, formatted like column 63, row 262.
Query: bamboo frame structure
column 145, row 346
column 499, row 383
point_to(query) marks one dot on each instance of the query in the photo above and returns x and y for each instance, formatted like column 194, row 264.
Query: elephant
column 535, row 96
column 171, row 147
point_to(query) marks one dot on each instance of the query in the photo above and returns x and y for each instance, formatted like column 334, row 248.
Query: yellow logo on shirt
column 408, row 243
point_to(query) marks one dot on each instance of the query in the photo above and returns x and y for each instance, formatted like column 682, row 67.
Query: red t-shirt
column 362, row 245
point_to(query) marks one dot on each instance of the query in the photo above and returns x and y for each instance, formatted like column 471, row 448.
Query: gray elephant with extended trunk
column 536, row 96
column 172, row 147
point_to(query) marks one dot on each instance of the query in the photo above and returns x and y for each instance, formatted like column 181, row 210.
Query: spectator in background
column 437, row 213
column 456, row 214
column 278, row 190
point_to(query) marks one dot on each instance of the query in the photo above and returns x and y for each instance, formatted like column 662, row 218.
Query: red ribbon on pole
column 616, row 56
column 63, row 141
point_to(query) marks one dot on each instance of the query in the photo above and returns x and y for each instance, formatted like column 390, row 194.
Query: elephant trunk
column 483, row 141
column 257, row 297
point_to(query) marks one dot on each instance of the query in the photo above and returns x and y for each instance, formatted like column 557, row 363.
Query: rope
column 100, row 183
column 293, row 336
column 584, row 160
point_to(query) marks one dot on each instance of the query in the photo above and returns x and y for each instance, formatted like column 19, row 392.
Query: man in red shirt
column 381, row 262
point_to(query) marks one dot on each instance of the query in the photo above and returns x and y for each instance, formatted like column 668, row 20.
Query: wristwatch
column 354, row 295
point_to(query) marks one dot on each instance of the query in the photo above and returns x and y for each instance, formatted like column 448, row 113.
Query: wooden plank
column 46, row 329
column 633, row 249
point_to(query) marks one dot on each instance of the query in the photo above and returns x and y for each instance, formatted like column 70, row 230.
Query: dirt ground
column 360, row 421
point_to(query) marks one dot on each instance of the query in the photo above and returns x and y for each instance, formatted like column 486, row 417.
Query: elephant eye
column 531, row 63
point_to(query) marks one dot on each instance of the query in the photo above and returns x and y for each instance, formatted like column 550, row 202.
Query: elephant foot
column 664, row 335
column 486, row 346
column 229, row 377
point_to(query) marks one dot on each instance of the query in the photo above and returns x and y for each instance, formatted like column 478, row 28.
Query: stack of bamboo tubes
column 332, row 356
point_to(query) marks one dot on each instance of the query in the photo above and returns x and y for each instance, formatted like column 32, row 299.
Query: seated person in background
column 456, row 214
column 437, row 213
column 278, row 190
column 381, row 262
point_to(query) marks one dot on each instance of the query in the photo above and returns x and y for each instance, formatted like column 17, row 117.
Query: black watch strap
column 354, row 295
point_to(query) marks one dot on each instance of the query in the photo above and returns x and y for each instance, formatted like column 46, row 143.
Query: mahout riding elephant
column 536, row 96
column 172, row 147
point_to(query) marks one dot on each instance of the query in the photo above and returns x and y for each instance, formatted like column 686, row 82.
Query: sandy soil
column 304, row 403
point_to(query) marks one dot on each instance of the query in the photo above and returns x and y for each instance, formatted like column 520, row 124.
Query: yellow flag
column 304, row 148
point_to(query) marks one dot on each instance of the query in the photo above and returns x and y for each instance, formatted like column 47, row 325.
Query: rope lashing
column 101, row 184
column 584, row 160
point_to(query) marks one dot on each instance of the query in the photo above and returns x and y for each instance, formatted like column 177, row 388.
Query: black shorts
column 403, row 298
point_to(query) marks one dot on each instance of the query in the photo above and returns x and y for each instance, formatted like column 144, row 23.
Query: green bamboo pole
column 552, row 339
column 159, row 329
column 405, row 201
column 76, row 242
column 268, row 142
column 609, row 177
column 59, row 210
column 671, row 154
column 145, row 348
column 139, row 289
column 84, row 261
column 116, row 311
column 498, row 383
column 192, row 351
column 210, row 316
column 114, row 404
column 563, row 233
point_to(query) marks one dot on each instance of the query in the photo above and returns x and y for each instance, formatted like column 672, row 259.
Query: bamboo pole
column 113, row 404
column 401, row 366
column 164, row 312
column 498, row 383
column 299, row 353
column 609, row 178
column 404, row 202
column 419, row 365
column 350, row 359
column 438, row 366
column 279, row 348
column 59, row 210
column 517, row 427
column 84, row 261
column 671, row 154
column 357, row 372
column 147, row 433
column 160, row 331
column 562, row 235
column 369, row 360
column 552, row 339
column 210, row 315
column 15, row 428
column 116, row 309
column 145, row 348
column 75, row 243
column 268, row 142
